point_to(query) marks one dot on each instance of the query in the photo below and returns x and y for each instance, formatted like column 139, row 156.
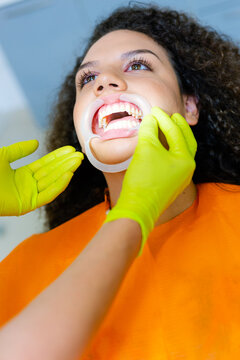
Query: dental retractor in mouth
column 138, row 108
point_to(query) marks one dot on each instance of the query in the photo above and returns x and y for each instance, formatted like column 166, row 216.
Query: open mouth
column 120, row 115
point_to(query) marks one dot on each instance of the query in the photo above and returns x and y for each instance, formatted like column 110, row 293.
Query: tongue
column 116, row 116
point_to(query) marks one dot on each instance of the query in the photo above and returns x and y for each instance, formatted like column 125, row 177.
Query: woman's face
column 115, row 69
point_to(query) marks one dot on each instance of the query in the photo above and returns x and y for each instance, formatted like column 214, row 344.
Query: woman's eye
column 85, row 78
column 138, row 66
column 88, row 79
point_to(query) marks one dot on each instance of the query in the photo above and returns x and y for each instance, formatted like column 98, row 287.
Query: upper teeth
column 117, row 107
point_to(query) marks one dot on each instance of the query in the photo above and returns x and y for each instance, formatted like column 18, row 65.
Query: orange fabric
column 179, row 300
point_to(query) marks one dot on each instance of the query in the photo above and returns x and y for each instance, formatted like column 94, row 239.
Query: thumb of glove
column 148, row 128
column 20, row 150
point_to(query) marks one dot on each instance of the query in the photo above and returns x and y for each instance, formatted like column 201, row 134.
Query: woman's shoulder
column 219, row 189
column 40, row 259
column 225, row 197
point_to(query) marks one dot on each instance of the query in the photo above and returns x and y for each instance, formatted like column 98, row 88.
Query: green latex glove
column 31, row 186
column 156, row 176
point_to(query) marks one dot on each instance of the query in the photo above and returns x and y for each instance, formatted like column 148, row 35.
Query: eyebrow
column 123, row 57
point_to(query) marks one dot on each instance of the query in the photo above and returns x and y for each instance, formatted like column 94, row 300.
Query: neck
column 180, row 204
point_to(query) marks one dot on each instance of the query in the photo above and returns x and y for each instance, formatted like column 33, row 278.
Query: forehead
column 120, row 40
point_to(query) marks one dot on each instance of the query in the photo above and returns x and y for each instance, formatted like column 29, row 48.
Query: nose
column 109, row 81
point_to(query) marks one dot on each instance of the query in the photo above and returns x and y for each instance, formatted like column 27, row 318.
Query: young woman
column 180, row 297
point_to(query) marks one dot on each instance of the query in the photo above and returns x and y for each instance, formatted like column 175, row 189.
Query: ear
column 191, row 110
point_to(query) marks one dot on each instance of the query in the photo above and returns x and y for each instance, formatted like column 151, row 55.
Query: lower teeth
column 124, row 124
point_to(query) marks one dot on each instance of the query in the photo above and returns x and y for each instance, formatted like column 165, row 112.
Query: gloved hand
column 156, row 176
column 31, row 186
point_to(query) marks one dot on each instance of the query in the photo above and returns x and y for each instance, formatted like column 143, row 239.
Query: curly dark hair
column 207, row 66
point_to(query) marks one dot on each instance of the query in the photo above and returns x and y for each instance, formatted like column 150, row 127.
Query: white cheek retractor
column 85, row 128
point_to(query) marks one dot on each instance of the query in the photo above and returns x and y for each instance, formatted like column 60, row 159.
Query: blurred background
column 39, row 41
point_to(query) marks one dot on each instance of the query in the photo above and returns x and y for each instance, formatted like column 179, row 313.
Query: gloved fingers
column 187, row 133
column 55, row 189
column 20, row 149
column 148, row 127
column 52, row 156
column 44, row 171
column 172, row 132
column 69, row 165
column 148, row 131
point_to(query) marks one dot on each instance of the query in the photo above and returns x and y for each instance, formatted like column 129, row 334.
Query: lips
column 113, row 127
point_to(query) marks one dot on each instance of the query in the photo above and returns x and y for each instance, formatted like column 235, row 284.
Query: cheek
column 165, row 94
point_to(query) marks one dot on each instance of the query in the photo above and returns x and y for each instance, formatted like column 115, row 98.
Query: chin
column 113, row 151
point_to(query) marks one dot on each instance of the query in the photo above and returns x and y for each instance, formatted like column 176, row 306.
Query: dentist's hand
column 31, row 186
column 156, row 176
